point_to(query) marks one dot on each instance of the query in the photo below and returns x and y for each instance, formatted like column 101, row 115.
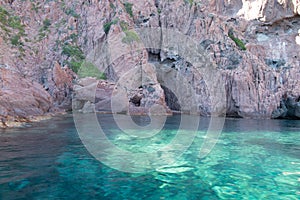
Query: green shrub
column 128, row 8
column 15, row 40
column 3, row 11
column 75, row 56
column 15, row 23
column 44, row 30
column 35, row 6
column 88, row 69
column 72, row 12
column 3, row 15
column 11, row 24
column 74, row 65
column 106, row 27
column 124, row 25
column 73, row 51
column 130, row 37
column 189, row 1
column 112, row 6
column 237, row 41
column 46, row 24
column 73, row 37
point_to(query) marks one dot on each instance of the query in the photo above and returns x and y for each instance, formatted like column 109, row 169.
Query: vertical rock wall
column 254, row 45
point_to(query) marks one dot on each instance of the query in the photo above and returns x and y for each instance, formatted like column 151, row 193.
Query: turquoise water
column 253, row 159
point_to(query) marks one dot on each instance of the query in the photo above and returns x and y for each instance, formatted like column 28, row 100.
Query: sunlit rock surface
column 253, row 44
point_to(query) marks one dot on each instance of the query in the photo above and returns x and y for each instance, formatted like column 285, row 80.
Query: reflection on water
column 254, row 159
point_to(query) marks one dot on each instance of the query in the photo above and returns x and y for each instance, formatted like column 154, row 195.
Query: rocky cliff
column 46, row 46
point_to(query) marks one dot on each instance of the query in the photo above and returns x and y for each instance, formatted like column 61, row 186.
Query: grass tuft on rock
column 44, row 30
column 75, row 56
column 106, row 27
column 130, row 37
column 128, row 8
column 88, row 69
column 237, row 41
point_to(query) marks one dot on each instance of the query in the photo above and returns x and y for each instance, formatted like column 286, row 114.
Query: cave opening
column 154, row 57
column 171, row 99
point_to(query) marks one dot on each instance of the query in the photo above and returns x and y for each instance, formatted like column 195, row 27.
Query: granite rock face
column 253, row 47
column 60, row 86
column 255, row 78
column 21, row 99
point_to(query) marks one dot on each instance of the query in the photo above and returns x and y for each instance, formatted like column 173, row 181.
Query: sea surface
column 252, row 159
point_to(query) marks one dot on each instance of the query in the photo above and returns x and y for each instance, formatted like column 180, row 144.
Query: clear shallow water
column 254, row 159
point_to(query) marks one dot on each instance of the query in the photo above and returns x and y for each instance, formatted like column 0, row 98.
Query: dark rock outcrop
column 289, row 108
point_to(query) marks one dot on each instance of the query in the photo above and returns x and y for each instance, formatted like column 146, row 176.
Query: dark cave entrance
column 154, row 57
column 171, row 99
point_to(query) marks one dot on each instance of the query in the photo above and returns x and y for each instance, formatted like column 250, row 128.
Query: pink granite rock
column 255, row 79
column 20, row 99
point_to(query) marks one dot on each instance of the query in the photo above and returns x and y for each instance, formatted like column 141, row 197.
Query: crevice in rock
column 287, row 25
column 233, row 114
column 194, row 16
column 275, row 63
column 111, row 74
column 167, row 62
column 156, row 3
column 232, row 108
column 136, row 100
column 153, row 55
column 292, row 19
column 171, row 99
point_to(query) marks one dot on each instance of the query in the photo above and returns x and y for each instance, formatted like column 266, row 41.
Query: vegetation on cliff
column 88, row 69
column 11, row 28
column 237, row 41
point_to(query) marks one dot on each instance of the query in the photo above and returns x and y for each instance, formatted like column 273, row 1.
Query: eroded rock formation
column 254, row 45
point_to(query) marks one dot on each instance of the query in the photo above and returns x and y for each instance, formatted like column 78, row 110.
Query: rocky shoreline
column 50, row 51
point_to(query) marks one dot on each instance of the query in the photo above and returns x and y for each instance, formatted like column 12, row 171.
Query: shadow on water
column 261, row 125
